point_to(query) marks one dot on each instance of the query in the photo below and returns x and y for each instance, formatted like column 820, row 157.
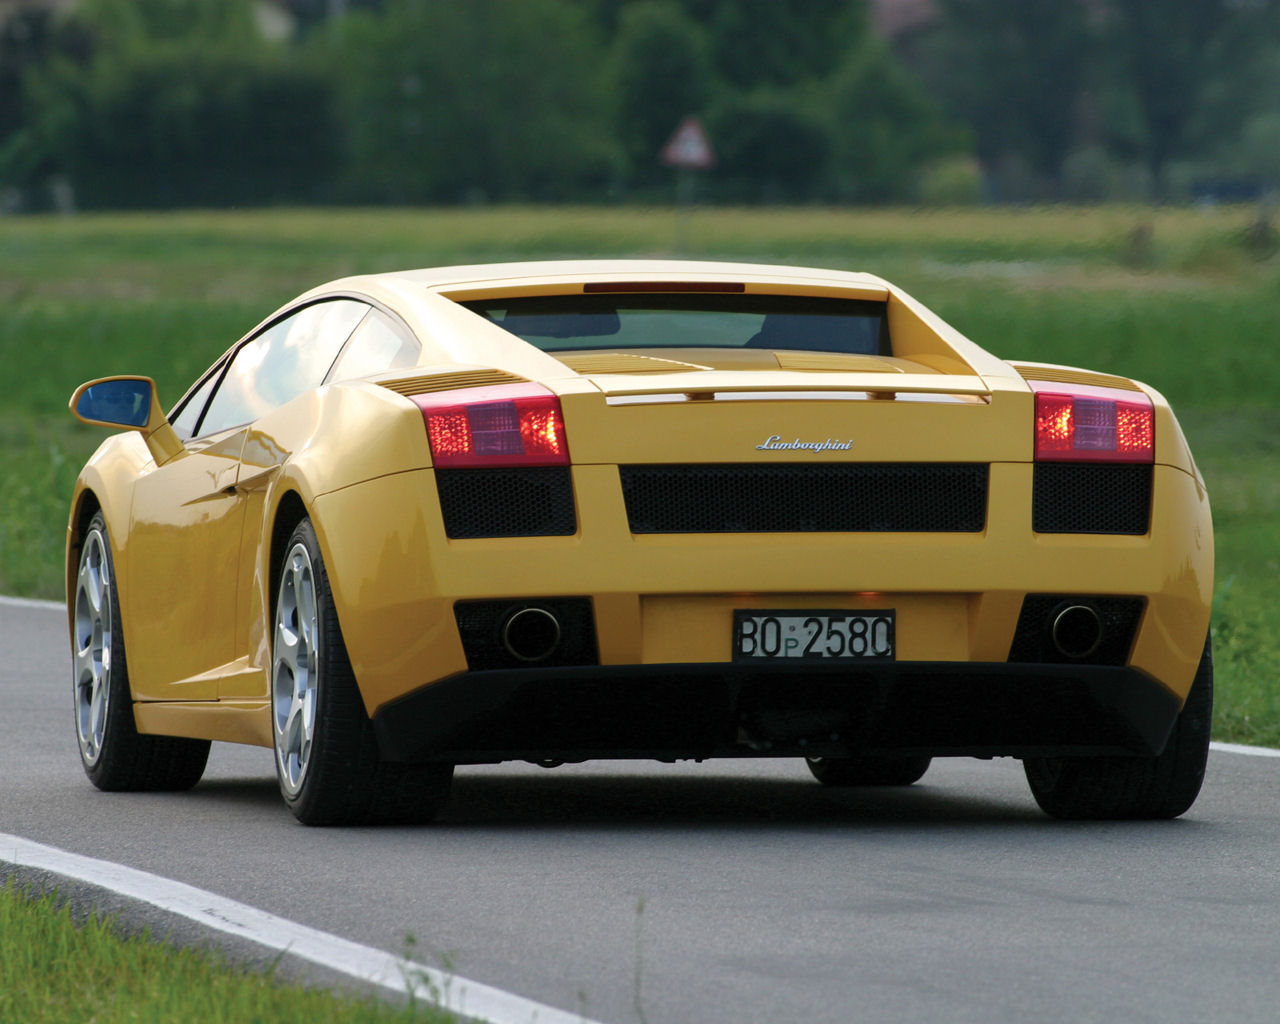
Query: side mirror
column 116, row 402
column 128, row 403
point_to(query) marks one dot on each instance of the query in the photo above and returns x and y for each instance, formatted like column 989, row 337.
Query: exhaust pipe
column 531, row 634
column 1076, row 630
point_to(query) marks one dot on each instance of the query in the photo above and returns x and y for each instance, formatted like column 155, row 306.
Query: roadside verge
column 362, row 964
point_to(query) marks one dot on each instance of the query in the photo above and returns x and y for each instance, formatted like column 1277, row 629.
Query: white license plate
column 813, row 636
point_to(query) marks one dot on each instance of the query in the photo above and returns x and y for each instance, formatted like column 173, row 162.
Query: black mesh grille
column 1033, row 639
column 522, row 502
column 480, row 629
column 834, row 497
column 1085, row 498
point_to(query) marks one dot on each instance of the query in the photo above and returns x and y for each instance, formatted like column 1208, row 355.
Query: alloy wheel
column 93, row 643
column 295, row 669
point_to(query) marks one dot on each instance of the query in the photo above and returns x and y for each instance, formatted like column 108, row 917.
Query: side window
column 378, row 344
column 280, row 363
column 185, row 418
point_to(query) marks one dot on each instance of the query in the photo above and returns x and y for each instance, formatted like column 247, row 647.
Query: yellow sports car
column 638, row 509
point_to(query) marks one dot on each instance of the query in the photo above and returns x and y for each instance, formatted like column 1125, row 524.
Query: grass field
column 56, row 968
column 1173, row 297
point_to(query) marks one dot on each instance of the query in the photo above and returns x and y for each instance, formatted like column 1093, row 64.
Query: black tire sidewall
column 1160, row 787
column 336, row 730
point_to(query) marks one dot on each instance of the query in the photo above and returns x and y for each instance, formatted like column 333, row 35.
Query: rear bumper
column 669, row 599
column 703, row 710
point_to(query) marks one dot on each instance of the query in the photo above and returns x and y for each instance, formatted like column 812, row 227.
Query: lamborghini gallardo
column 562, row 511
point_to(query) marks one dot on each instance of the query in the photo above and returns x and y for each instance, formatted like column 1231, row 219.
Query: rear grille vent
column 532, row 501
column 830, row 497
column 1088, row 498
column 1064, row 375
column 409, row 386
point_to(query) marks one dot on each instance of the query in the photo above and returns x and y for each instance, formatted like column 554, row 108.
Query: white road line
column 458, row 995
column 28, row 602
column 1240, row 748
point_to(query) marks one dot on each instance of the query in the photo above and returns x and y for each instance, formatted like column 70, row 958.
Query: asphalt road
column 723, row 893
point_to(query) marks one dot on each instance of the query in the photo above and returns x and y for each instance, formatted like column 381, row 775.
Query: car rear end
column 914, row 551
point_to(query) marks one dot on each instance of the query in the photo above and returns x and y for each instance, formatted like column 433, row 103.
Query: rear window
column 555, row 323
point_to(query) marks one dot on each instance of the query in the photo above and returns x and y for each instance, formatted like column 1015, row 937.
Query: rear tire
column 1134, row 787
column 868, row 771
column 116, row 757
column 326, row 753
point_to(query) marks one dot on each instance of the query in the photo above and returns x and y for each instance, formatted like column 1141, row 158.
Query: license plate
column 813, row 636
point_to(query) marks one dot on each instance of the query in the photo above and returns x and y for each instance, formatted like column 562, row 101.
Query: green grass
column 1171, row 296
column 55, row 968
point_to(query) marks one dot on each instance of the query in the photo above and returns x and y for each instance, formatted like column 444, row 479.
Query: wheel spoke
column 288, row 644
column 291, row 744
column 306, row 610
column 91, row 583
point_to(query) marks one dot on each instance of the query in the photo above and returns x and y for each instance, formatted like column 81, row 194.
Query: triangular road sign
column 689, row 147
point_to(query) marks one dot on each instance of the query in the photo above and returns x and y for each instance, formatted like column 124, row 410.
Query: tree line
column 166, row 103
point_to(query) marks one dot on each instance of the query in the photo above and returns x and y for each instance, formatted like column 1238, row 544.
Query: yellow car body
column 197, row 525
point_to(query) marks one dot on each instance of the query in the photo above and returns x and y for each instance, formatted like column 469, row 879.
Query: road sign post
column 688, row 151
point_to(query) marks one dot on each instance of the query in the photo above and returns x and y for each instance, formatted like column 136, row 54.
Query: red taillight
column 1088, row 424
column 503, row 425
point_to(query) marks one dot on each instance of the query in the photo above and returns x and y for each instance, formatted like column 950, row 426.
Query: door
column 188, row 516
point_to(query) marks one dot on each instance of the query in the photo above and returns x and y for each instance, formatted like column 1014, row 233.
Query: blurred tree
column 663, row 74
column 181, row 103
column 801, row 101
column 779, row 42
column 123, row 23
column 25, row 41
column 312, row 13
column 1175, row 57
column 29, row 39
column 770, row 147
column 445, row 102
column 886, row 127
column 761, row 42
column 183, row 126
column 1014, row 71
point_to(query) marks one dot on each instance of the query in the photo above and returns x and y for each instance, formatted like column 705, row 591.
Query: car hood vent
column 623, row 362
column 409, row 386
column 1066, row 375
column 834, row 362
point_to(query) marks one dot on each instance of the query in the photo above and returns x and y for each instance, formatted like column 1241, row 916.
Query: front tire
column 868, row 771
column 326, row 753
column 1134, row 787
column 116, row 757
